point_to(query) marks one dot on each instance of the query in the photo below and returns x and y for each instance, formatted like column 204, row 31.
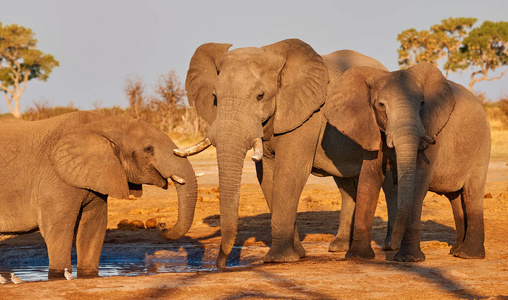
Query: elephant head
column 115, row 155
column 248, row 94
column 409, row 106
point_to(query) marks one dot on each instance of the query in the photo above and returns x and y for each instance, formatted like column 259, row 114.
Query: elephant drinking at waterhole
column 57, row 174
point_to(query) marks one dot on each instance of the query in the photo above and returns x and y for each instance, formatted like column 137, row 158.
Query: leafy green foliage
column 21, row 61
column 441, row 41
column 483, row 49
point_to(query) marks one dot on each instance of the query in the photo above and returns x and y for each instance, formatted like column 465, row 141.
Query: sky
column 100, row 43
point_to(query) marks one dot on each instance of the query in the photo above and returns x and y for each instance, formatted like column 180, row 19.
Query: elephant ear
column 439, row 101
column 201, row 76
column 348, row 106
column 302, row 87
column 84, row 158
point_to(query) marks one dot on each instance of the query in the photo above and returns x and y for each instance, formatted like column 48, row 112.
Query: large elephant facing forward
column 435, row 133
column 270, row 98
column 56, row 175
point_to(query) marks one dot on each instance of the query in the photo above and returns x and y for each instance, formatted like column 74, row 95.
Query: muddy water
column 131, row 260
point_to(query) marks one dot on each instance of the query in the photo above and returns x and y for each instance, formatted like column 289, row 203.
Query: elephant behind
column 58, row 173
column 271, row 99
column 436, row 135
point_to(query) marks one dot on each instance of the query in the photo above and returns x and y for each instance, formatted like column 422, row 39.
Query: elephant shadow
column 123, row 249
column 317, row 226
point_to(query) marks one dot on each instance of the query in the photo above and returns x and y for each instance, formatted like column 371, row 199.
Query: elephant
column 271, row 99
column 58, row 173
column 433, row 134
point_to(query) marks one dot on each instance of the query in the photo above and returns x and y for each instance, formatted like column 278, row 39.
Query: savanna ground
column 320, row 275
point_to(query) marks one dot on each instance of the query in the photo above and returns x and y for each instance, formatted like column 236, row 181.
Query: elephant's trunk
column 407, row 136
column 406, row 152
column 232, row 147
column 187, row 196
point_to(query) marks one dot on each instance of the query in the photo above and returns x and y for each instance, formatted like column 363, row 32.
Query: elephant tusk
column 258, row 150
column 195, row 149
column 428, row 139
column 177, row 178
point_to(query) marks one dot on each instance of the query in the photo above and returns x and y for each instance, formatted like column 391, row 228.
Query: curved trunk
column 187, row 197
column 231, row 152
column 406, row 149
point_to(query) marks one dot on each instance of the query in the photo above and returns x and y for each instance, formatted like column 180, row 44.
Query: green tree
column 450, row 34
column 440, row 42
column 20, row 61
column 484, row 50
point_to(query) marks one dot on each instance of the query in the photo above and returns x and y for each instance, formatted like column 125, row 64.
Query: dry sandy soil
column 183, row 269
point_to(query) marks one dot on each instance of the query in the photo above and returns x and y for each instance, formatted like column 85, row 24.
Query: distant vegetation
column 458, row 46
column 166, row 107
column 454, row 44
column 20, row 61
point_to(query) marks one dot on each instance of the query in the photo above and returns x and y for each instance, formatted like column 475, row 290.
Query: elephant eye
column 148, row 149
column 260, row 96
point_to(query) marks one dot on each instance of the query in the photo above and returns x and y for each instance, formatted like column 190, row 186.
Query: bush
column 503, row 108
column 42, row 110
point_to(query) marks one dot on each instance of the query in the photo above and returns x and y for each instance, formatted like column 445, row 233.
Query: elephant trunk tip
column 169, row 233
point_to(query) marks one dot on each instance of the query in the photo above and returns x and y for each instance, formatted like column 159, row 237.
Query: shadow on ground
column 143, row 252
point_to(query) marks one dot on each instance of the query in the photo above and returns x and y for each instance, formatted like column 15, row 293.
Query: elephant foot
column 282, row 255
column 56, row 274
column 409, row 254
column 360, row 250
column 88, row 273
column 454, row 248
column 339, row 245
column 469, row 250
column 299, row 249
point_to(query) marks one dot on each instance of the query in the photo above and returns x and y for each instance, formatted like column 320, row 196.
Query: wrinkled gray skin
column 57, row 175
column 401, row 108
column 275, row 92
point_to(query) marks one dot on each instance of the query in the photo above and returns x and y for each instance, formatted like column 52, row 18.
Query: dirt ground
column 320, row 275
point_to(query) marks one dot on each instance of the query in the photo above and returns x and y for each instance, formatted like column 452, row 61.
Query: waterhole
column 31, row 263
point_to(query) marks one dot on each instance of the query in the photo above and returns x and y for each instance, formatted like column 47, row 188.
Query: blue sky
column 100, row 43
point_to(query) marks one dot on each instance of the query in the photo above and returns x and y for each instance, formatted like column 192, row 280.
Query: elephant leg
column 369, row 186
column 90, row 236
column 57, row 224
column 287, row 189
column 410, row 245
column 474, row 237
column 292, row 166
column 390, row 190
column 458, row 215
column 348, row 189
column 264, row 170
